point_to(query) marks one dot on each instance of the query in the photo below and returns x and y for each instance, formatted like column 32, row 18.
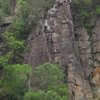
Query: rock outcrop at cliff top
column 54, row 39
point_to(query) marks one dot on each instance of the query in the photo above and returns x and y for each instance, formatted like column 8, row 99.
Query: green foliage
column 20, row 28
column 20, row 25
column 13, row 83
column 14, row 80
column 5, row 6
column 25, row 8
column 16, row 33
column 15, row 45
column 98, row 9
column 4, row 59
column 85, row 10
column 47, row 75
column 40, row 95
column 82, row 2
column 61, row 90
column 50, row 95
column 2, row 14
column 34, row 95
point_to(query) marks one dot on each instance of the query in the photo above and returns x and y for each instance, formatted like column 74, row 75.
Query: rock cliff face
column 56, row 38
column 89, row 53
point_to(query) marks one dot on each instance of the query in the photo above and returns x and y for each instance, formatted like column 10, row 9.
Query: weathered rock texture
column 56, row 39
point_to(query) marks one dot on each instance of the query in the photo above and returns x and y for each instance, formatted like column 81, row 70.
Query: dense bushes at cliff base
column 48, row 82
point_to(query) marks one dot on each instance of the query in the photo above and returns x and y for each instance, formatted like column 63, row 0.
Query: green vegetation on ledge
column 85, row 10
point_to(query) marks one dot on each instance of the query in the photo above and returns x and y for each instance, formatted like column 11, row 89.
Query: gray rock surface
column 54, row 39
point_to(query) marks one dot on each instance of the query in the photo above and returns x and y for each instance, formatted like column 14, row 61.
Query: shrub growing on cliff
column 98, row 10
column 40, row 95
column 16, row 33
column 13, row 82
column 5, row 59
column 48, row 75
column 2, row 14
column 5, row 6
column 85, row 10
column 13, row 43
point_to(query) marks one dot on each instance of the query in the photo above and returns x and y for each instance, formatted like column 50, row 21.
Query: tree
column 47, row 75
column 13, row 83
column 41, row 95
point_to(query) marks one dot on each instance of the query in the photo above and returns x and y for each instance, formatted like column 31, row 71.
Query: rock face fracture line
column 57, row 42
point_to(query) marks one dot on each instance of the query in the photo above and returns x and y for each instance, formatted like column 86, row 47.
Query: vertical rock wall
column 56, row 39
column 96, row 57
